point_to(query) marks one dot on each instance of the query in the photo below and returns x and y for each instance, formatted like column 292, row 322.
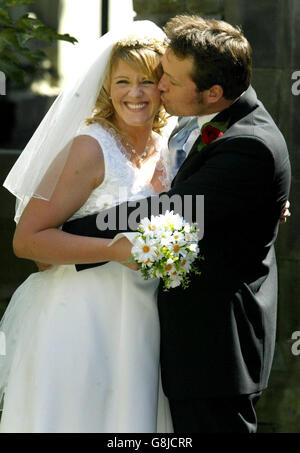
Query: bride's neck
column 137, row 136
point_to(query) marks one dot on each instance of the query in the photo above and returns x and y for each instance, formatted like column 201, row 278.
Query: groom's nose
column 162, row 84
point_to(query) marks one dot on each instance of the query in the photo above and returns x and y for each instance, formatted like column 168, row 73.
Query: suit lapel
column 242, row 107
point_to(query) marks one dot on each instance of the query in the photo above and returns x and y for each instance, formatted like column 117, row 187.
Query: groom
column 218, row 336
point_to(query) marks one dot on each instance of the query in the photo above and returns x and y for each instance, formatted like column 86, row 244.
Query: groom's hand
column 285, row 213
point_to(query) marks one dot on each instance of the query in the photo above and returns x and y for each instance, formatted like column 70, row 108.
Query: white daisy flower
column 173, row 220
column 189, row 237
column 151, row 226
column 166, row 238
column 177, row 249
column 178, row 237
column 169, row 267
column 175, row 281
column 187, row 227
column 144, row 251
column 185, row 264
column 193, row 248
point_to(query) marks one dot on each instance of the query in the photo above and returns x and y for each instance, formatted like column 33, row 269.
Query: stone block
column 47, row 11
column 21, row 112
column 13, row 270
column 158, row 7
column 205, row 7
column 264, row 27
column 266, row 83
column 7, row 159
column 289, row 293
column 160, row 11
column 294, row 126
column 278, row 410
column 294, row 27
column 288, row 240
column 29, row 111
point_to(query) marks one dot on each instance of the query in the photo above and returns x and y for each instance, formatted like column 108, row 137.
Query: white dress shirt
column 182, row 142
column 196, row 132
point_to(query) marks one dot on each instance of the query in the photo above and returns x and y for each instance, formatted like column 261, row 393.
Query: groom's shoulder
column 259, row 127
column 266, row 130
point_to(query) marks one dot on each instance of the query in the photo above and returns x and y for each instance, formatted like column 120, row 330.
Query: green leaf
column 30, row 23
column 3, row 46
column 44, row 34
column 17, row 2
column 48, row 35
column 222, row 126
column 23, row 38
column 32, row 55
column 10, row 37
column 5, row 17
column 14, row 35
column 12, row 71
column 11, row 56
column 201, row 146
column 67, row 37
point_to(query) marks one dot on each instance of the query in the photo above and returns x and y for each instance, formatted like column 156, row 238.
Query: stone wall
column 273, row 29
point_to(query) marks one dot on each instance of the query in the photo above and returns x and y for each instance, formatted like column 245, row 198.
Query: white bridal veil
column 39, row 166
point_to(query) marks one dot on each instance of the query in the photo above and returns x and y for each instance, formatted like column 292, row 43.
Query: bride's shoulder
column 92, row 129
column 86, row 150
column 100, row 131
column 86, row 145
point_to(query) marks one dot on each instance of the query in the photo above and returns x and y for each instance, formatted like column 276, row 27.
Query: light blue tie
column 178, row 140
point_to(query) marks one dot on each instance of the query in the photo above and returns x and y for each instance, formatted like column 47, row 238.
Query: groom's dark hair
column 222, row 55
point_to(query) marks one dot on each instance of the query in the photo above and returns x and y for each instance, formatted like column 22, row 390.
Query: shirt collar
column 207, row 118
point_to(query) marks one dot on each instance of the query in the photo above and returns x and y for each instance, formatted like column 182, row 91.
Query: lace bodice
column 123, row 181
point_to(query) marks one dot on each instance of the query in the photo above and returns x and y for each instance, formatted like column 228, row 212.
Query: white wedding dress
column 82, row 348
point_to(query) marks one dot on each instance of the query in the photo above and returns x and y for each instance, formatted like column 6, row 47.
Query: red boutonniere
column 210, row 132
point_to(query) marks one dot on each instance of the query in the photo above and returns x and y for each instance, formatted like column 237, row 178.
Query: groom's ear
column 213, row 95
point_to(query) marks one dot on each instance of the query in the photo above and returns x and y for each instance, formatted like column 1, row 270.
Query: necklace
column 127, row 149
column 141, row 157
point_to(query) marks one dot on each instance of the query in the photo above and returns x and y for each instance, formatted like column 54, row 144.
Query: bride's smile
column 136, row 107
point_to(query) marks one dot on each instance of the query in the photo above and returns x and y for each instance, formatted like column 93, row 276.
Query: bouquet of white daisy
column 166, row 247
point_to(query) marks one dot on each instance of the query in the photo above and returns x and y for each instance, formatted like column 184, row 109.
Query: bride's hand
column 132, row 265
column 122, row 253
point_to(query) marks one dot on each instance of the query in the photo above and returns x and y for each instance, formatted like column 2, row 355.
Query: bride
column 82, row 348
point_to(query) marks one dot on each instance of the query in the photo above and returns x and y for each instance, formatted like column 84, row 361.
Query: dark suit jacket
column 218, row 336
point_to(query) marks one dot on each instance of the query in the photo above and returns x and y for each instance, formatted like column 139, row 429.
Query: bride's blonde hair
column 141, row 54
